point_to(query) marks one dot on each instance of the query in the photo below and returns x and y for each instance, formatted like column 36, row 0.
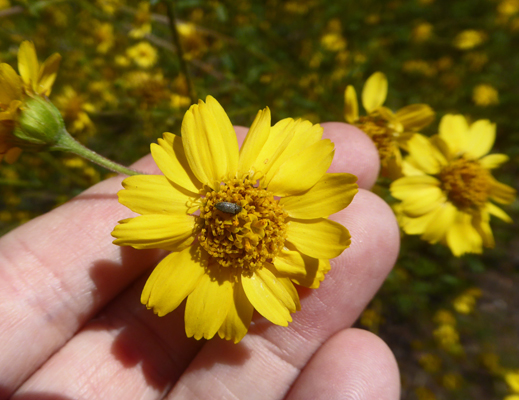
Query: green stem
column 176, row 39
column 67, row 143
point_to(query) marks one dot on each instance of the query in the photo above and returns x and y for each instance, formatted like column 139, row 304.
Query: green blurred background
column 453, row 323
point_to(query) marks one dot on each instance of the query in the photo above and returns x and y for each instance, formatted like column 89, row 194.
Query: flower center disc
column 381, row 134
column 467, row 184
column 249, row 238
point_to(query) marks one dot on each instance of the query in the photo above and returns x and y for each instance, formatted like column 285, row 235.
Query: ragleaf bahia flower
column 242, row 225
column 389, row 131
column 21, row 102
column 448, row 186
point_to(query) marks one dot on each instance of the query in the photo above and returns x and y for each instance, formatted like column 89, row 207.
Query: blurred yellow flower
column 143, row 54
column 104, row 35
column 422, row 32
column 512, row 397
column 485, row 95
column 4, row 4
column 389, row 131
column 333, row 41
column 512, row 379
column 447, row 187
column 430, row 362
column 75, row 109
column 469, row 39
column 242, row 225
column 34, row 80
column 508, row 7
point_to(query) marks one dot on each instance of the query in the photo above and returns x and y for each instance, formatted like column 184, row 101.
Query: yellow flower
column 15, row 90
column 389, row 131
column 466, row 302
column 75, row 110
column 422, row 32
column 143, row 54
column 448, row 186
column 485, row 95
column 512, row 379
column 242, row 225
column 469, row 39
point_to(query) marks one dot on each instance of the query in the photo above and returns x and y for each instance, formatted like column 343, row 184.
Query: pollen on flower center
column 380, row 133
column 466, row 183
column 251, row 237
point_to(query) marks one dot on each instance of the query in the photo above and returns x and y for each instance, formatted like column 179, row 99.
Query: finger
column 57, row 271
column 352, row 364
column 355, row 152
column 270, row 351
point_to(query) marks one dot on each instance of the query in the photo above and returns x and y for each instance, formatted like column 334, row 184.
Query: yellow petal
column 482, row 226
column 441, row 221
column 482, row 135
column 210, row 142
column 374, row 92
column 493, row 160
column 301, row 269
column 502, row 193
column 318, row 238
column 208, row 305
column 269, row 296
column 10, row 85
column 170, row 157
column 28, row 65
column 155, row 231
column 409, row 185
column 330, row 194
column 423, row 201
column 415, row 116
column 462, row 237
column 47, row 74
column 415, row 225
column 254, row 141
column 298, row 174
column 427, row 157
column 172, row 280
column 237, row 320
column 454, row 130
column 351, row 105
column 497, row 212
column 153, row 194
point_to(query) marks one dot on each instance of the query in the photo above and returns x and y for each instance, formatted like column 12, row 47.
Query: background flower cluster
column 452, row 322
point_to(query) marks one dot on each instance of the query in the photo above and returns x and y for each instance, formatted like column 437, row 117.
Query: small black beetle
column 229, row 208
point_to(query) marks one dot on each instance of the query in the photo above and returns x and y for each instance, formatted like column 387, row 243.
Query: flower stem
column 176, row 40
column 68, row 143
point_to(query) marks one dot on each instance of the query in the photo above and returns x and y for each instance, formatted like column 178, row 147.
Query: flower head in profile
column 18, row 99
column 447, row 191
column 243, row 225
column 389, row 131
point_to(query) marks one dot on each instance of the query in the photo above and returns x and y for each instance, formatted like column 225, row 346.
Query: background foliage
column 452, row 323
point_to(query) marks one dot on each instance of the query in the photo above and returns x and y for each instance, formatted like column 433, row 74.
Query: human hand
column 72, row 326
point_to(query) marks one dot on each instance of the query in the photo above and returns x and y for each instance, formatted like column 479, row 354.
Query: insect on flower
column 229, row 208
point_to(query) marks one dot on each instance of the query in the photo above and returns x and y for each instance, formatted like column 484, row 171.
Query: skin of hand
column 72, row 326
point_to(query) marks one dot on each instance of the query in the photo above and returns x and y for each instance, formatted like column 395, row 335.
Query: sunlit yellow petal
column 415, row 116
column 237, row 321
column 497, row 212
column 318, row 238
column 154, row 231
column 415, row 225
column 254, row 141
column 423, row 201
column 208, row 305
column 28, row 64
column 351, row 105
column 441, row 221
column 153, row 194
column 482, row 134
column 409, row 185
column 297, row 174
column 172, row 161
column 462, row 237
column 454, row 130
column 374, row 92
column 301, row 269
column 10, row 85
column 172, row 281
column 47, row 74
column 330, row 194
column 425, row 155
column 493, row 160
column 210, row 142
column 269, row 296
column 502, row 193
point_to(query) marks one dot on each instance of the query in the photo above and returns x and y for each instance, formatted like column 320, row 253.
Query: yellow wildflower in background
column 143, row 54
column 485, row 95
column 422, row 32
column 74, row 109
column 468, row 39
column 34, row 80
column 466, row 302
column 448, row 186
column 512, row 379
column 242, row 225
column 389, row 131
